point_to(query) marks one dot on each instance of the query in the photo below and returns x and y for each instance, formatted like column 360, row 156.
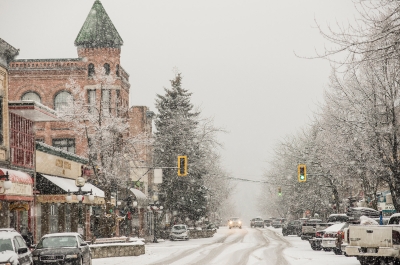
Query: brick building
column 44, row 80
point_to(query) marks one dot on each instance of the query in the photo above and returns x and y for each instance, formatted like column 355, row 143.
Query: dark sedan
column 62, row 249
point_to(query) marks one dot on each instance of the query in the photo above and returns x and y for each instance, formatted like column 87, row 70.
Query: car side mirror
column 22, row 250
column 84, row 244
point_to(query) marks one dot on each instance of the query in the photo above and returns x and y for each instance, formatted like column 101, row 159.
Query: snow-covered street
column 236, row 246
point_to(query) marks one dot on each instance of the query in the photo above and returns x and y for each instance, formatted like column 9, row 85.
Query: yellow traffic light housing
column 302, row 173
column 182, row 166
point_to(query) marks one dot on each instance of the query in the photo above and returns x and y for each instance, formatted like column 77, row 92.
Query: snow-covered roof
column 32, row 110
column 60, row 152
column 8, row 234
column 338, row 214
column 69, row 185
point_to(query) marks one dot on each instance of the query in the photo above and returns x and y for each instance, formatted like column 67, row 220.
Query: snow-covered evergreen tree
column 176, row 135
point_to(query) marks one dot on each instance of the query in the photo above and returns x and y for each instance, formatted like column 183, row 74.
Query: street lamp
column 79, row 182
column 5, row 184
column 155, row 208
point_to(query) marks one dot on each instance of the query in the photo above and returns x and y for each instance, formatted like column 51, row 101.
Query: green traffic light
column 302, row 177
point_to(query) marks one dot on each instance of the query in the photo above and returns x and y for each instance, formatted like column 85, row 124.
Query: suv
column 179, row 232
column 235, row 222
column 257, row 222
column 13, row 248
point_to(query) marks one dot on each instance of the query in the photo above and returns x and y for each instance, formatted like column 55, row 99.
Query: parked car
column 267, row 222
column 278, row 223
column 62, row 248
column 292, row 228
column 338, row 218
column 257, row 222
column 309, row 228
column 13, row 248
column 331, row 236
column 235, row 222
column 179, row 232
column 316, row 241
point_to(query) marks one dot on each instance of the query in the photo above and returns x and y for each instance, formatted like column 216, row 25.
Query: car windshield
column 235, row 219
column 57, row 242
column 5, row 244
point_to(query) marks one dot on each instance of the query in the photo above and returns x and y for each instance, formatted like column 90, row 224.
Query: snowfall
column 249, row 246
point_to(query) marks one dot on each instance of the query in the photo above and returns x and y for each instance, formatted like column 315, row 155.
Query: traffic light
column 302, row 173
column 182, row 166
column 279, row 191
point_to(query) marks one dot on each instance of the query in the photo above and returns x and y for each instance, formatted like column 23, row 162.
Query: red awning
column 17, row 176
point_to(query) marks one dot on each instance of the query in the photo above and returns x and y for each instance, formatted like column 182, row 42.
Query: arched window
column 107, row 68
column 91, row 69
column 31, row 96
column 117, row 70
column 61, row 100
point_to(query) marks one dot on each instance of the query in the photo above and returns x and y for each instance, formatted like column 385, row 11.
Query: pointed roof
column 98, row 30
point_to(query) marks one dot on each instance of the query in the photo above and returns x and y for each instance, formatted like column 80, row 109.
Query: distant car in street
column 292, row 228
column 257, row 222
column 62, row 248
column 179, row 232
column 235, row 222
column 267, row 222
column 13, row 249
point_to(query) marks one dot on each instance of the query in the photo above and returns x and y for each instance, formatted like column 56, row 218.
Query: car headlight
column 230, row 222
column 240, row 222
column 35, row 257
column 74, row 256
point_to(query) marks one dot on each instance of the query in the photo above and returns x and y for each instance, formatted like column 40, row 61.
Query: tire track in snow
column 218, row 250
column 188, row 252
column 278, row 248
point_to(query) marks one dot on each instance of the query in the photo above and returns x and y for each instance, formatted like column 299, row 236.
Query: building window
column 105, row 101
column 53, row 219
column 62, row 100
column 117, row 70
column 1, row 121
column 91, row 69
column 22, row 141
column 92, row 100
column 31, row 96
column 118, row 102
column 107, row 68
column 65, row 144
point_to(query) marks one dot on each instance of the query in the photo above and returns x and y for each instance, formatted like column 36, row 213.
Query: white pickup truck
column 375, row 244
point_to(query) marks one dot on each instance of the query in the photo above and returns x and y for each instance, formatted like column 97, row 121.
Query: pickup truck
column 309, row 228
column 375, row 244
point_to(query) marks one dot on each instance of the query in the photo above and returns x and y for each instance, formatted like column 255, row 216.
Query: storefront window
column 38, row 222
column 67, row 218
column 53, row 218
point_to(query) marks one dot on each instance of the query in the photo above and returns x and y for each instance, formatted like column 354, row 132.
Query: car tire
column 240, row 227
column 230, row 227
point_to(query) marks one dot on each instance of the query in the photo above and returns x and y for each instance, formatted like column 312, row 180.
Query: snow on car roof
column 62, row 234
column 334, row 228
column 9, row 234
column 338, row 214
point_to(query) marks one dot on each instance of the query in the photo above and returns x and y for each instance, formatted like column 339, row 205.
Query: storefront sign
column 20, row 189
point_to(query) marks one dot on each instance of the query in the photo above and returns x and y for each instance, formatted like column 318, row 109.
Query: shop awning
column 69, row 184
column 140, row 196
column 17, row 176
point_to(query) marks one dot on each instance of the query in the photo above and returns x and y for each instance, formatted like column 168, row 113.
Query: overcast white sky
column 237, row 57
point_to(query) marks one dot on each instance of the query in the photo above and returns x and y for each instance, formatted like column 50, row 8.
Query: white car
column 179, row 232
column 330, row 236
column 13, row 249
